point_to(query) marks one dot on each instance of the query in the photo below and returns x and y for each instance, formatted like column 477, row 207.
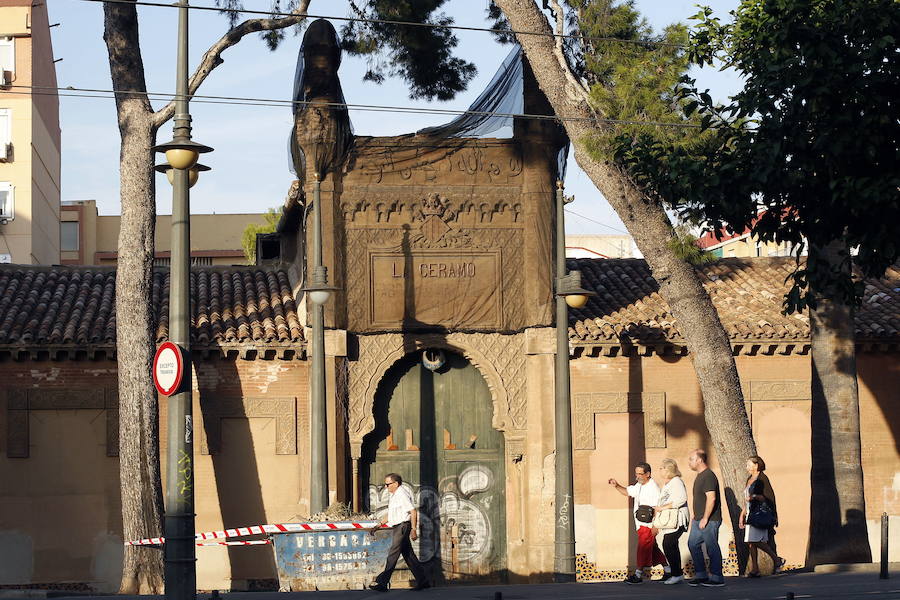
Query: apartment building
column 29, row 136
column 88, row 238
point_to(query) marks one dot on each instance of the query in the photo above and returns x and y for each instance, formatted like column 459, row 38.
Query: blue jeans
column 709, row 536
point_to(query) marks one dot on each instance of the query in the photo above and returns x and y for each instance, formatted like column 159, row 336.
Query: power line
column 244, row 101
column 389, row 22
column 572, row 212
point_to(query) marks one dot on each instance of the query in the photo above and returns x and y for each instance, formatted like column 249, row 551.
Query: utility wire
column 389, row 22
column 243, row 101
column 572, row 212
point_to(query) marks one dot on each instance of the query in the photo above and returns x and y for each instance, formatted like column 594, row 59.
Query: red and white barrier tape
column 263, row 529
column 237, row 543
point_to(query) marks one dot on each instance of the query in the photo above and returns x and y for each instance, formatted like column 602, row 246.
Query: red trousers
column 648, row 553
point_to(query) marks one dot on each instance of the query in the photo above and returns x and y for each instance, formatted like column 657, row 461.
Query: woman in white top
column 673, row 496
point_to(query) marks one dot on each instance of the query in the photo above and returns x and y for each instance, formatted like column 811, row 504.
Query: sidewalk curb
column 873, row 567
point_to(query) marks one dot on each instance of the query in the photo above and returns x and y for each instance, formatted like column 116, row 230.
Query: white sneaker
column 674, row 580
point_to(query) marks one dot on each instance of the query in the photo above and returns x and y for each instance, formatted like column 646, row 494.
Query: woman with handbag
column 758, row 515
column 672, row 517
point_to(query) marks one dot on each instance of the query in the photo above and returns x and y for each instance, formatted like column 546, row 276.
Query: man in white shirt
column 402, row 517
column 645, row 493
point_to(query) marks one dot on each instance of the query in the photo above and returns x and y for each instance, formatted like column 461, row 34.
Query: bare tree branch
column 578, row 90
column 213, row 56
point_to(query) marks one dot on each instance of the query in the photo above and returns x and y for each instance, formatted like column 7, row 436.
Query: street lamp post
column 318, row 291
column 568, row 293
column 182, row 169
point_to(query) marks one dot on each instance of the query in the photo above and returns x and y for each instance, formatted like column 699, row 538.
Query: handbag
column 644, row 513
column 667, row 518
column 761, row 516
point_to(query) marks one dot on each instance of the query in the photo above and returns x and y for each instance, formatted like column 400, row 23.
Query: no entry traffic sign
column 168, row 368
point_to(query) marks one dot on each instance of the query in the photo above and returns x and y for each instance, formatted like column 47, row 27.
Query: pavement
column 848, row 585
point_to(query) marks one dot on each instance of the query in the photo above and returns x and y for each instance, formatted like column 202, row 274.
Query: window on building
column 7, row 60
column 7, row 204
column 5, row 134
column 68, row 236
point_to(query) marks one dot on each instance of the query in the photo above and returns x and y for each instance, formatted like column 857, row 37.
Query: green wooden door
column 434, row 429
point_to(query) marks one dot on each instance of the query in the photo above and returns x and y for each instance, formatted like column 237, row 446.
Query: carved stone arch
column 482, row 350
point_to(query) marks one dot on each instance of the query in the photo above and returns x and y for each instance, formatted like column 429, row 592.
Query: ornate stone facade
column 652, row 405
column 499, row 358
column 283, row 410
column 21, row 401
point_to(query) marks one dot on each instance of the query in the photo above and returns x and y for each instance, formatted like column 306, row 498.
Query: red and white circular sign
column 168, row 368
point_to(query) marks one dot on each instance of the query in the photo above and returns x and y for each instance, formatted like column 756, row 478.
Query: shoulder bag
column 644, row 513
column 761, row 515
column 667, row 518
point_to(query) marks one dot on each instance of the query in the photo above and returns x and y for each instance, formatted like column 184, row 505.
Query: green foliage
column 813, row 139
column 273, row 37
column 248, row 237
column 685, row 246
column 633, row 82
column 421, row 56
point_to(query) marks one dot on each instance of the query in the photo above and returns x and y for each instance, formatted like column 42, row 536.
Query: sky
column 250, row 162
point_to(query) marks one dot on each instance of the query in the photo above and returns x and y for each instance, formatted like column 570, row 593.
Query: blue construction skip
column 329, row 560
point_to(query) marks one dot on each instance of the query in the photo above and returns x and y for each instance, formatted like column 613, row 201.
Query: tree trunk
column 139, row 466
column 648, row 224
column 837, row 525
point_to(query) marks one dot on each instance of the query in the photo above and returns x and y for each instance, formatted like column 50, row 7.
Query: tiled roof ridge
column 43, row 306
column 747, row 291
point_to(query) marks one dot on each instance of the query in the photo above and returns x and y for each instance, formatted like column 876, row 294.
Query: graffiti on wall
column 452, row 517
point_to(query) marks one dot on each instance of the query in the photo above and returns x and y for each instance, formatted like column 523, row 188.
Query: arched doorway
column 433, row 427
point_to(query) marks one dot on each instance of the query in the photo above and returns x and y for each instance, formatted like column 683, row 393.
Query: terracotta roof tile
column 747, row 293
column 76, row 305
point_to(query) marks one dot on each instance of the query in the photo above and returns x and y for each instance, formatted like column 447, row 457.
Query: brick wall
column 777, row 390
column 60, row 516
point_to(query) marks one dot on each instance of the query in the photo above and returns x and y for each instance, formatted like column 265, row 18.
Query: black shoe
column 421, row 586
column 378, row 587
column 712, row 583
column 665, row 577
column 634, row 580
column 695, row 581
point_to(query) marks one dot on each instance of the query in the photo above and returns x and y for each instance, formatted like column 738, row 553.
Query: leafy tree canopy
column 811, row 142
column 420, row 56
column 272, row 37
column 633, row 80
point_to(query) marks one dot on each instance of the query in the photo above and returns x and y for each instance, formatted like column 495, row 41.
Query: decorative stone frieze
column 499, row 358
column 651, row 404
column 788, row 389
column 21, row 401
column 283, row 410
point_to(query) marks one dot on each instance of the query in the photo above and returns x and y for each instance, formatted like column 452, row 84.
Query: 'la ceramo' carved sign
column 421, row 287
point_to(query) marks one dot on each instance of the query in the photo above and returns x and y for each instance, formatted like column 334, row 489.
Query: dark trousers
column 670, row 549
column 400, row 544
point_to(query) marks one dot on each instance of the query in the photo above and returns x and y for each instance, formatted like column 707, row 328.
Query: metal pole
column 180, row 557
column 884, row 546
column 564, row 527
column 318, row 487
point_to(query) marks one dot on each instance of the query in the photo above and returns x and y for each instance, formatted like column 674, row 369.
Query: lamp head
column 576, row 300
column 319, row 293
column 193, row 172
column 569, row 288
column 182, row 154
